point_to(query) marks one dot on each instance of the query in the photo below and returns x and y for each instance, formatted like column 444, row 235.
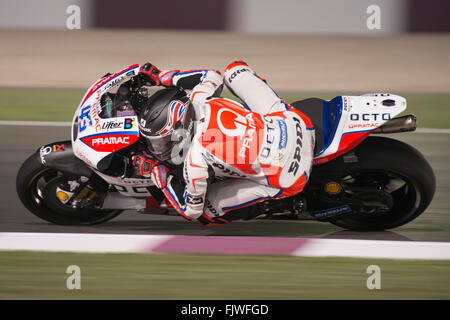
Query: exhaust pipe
column 400, row 124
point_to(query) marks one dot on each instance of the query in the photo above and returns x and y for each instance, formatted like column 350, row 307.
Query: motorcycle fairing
column 59, row 156
column 345, row 121
column 133, row 187
column 93, row 137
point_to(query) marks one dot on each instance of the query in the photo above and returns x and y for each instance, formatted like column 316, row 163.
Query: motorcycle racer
column 360, row 182
column 262, row 149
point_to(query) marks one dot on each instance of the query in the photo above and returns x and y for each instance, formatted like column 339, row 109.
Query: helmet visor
column 161, row 146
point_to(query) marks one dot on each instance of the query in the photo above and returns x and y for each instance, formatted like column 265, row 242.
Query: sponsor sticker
column 327, row 213
column 58, row 147
column 128, row 123
column 333, row 188
column 283, row 134
column 193, row 200
column 295, row 164
column 111, row 125
column 84, row 119
column 43, row 152
column 236, row 73
column 111, row 142
column 125, row 113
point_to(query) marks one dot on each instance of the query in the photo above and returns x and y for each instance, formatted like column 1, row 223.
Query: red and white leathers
column 265, row 146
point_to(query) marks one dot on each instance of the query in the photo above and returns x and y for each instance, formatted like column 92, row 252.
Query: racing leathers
column 259, row 150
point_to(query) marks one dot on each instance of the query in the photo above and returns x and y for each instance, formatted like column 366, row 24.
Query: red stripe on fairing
column 348, row 142
column 103, row 81
column 230, row 245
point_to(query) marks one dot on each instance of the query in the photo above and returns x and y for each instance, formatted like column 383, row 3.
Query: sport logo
column 177, row 111
column 235, row 74
column 212, row 161
column 128, row 123
column 295, row 165
column 125, row 113
column 249, row 138
column 231, row 123
column 111, row 125
column 58, row 147
column 194, row 200
column 283, row 134
column 111, row 142
column 46, row 150
column 43, row 152
column 84, row 119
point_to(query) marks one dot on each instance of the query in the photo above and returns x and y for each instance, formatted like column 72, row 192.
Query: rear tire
column 31, row 184
column 390, row 159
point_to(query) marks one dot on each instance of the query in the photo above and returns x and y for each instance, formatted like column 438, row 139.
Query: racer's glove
column 143, row 165
column 159, row 176
column 150, row 74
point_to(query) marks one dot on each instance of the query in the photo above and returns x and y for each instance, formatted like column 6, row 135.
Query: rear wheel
column 37, row 186
column 390, row 185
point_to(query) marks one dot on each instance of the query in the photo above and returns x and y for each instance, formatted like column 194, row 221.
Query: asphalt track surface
column 18, row 142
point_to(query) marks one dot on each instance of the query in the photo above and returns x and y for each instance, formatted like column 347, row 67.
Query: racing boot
column 286, row 208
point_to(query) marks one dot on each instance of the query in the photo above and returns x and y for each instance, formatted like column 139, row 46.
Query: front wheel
column 37, row 186
column 391, row 185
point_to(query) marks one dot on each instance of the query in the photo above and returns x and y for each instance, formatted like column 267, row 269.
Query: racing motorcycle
column 359, row 181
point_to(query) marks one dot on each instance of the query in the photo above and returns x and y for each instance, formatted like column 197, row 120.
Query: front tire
column 403, row 183
column 33, row 182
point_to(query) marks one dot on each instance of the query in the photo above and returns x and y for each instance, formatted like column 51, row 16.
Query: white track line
column 67, row 124
column 375, row 249
column 79, row 242
column 119, row 243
